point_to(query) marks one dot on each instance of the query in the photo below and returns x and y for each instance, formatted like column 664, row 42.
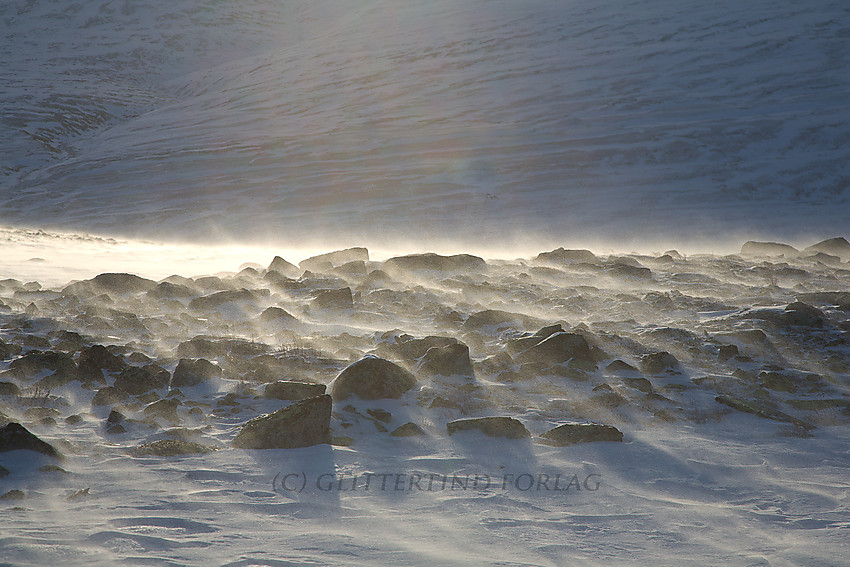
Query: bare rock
column 14, row 436
column 769, row 249
column 138, row 380
column 572, row 433
column 303, row 424
column 450, row 360
column 372, row 378
column 170, row 448
column 561, row 256
column 658, row 362
column 109, row 396
column 491, row 426
column 833, row 246
column 558, row 348
column 193, row 372
column 409, row 429
column 336, row 258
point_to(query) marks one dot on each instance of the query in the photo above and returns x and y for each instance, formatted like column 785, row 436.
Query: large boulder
column 98, row 356
column 658, row 362
column 450, row 360
column 558, row 348
column 561, row 256
column 337, row 258
column 833, row 246
column 193, row 372
column 139, row 380
column 333, row 299
column 303, row 424
column 14, row 437
column 490, row 426
column 458, row 263
column 111, row 283
column 769, row 249
column 572, row 433
column 372, row 378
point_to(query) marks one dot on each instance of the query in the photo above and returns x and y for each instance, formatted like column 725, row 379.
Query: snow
column 190, row 138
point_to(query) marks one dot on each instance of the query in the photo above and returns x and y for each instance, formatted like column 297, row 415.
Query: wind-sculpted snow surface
column 557, row 409
column 472, row 118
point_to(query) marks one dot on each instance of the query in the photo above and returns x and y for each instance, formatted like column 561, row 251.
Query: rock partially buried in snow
column 833, row 246
column 303, row 424
column 138, row 380
column 169, row 448
column 409, row 429
column 193, row 372
column 557, row 349
column 572, row 433
column 372, row 378
column 337, row 258
column 284, row 268
column 450, row 360
column 507, row 427
column 14, row 436
column 753, row 248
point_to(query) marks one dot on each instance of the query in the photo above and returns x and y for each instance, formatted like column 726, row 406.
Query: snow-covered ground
column 181, row 139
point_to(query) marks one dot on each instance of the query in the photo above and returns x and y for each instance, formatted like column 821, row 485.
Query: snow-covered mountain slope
column 471, row 120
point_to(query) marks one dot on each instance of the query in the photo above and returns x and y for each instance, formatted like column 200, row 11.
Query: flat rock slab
column 286, row 390
column 491, row 426
column 303, row 424
column 372, row 378
column 572, row 433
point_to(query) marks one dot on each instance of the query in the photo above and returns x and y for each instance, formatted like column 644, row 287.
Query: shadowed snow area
column 462, row 120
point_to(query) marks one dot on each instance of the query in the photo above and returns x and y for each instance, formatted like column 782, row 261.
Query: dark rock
column 450, row 360
column 4, row 471
column 109, row 396
column 166, row 409
column 491, row 426
column 803, row 315
column 74, row 419
column 761, row 410
column 520, row 344
column 170, row 448
column 286, row 390
column 410, row 349
column 14, row 494
column 777, row 381
column 201, row 347
column 284, row 268
column 380, row 414
column 138, row 380
column 9, row 389
column 333, row 299
column 36, row 362
column 558, row 349
column 840, row 299
column 629, row 271
column 303, row 424
column 725, row 352
column 641, row 384
column 620, row 366
column 14, row 436
column 8, row 350
column 115, row 416
column 409, row 429
column 193, row 372
column 771, row 249
column 560, row 256
column 98, row 356
column 116, row 429
column 818, row 405
column 658, row 362
column 572, row 433
column 458, row 263
column 337, row 258
column 372, row 378
column 499, row 320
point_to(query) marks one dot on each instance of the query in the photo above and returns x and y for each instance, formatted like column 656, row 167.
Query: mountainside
column 470, row 120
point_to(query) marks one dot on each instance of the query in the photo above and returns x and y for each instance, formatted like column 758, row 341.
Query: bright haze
column 462, row 122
